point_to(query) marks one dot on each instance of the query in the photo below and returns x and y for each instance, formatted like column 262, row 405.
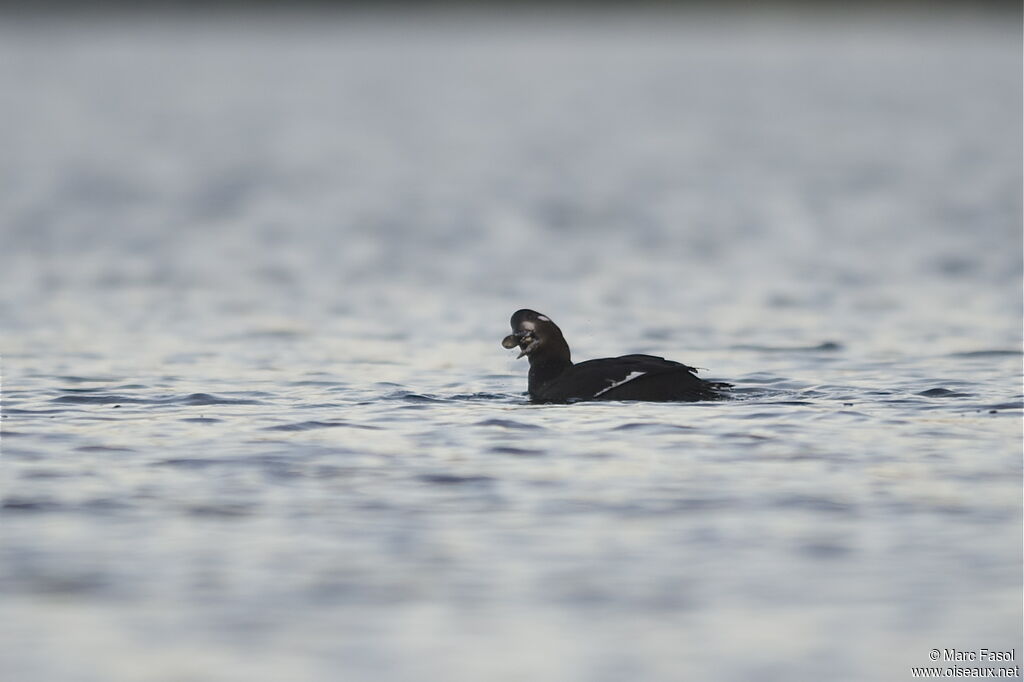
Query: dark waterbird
column 555, row 379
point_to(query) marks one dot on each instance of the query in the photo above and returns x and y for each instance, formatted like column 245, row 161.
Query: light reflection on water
column 258, row 424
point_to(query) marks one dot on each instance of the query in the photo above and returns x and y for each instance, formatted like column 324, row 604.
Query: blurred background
column 257, row 260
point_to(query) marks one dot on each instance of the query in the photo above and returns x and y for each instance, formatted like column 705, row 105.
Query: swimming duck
column 555, row 379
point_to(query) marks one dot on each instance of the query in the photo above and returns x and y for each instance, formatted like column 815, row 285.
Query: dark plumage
column 555, row 379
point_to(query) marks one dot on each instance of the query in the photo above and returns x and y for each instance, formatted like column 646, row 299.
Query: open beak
column 526, row 341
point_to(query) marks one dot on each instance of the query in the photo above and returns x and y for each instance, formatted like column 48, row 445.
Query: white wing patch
column 629, row 377
column 542, row 318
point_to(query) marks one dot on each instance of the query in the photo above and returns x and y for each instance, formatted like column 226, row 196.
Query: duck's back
column 629, row 377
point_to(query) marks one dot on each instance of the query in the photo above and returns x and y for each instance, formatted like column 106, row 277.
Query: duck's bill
column 527, row 343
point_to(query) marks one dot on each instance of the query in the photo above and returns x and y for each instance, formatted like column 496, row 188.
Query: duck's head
column 536, row 336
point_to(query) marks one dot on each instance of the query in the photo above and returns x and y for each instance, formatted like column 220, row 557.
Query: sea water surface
column 257, row 424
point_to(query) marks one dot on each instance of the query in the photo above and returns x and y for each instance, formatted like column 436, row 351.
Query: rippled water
column 257, row 424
